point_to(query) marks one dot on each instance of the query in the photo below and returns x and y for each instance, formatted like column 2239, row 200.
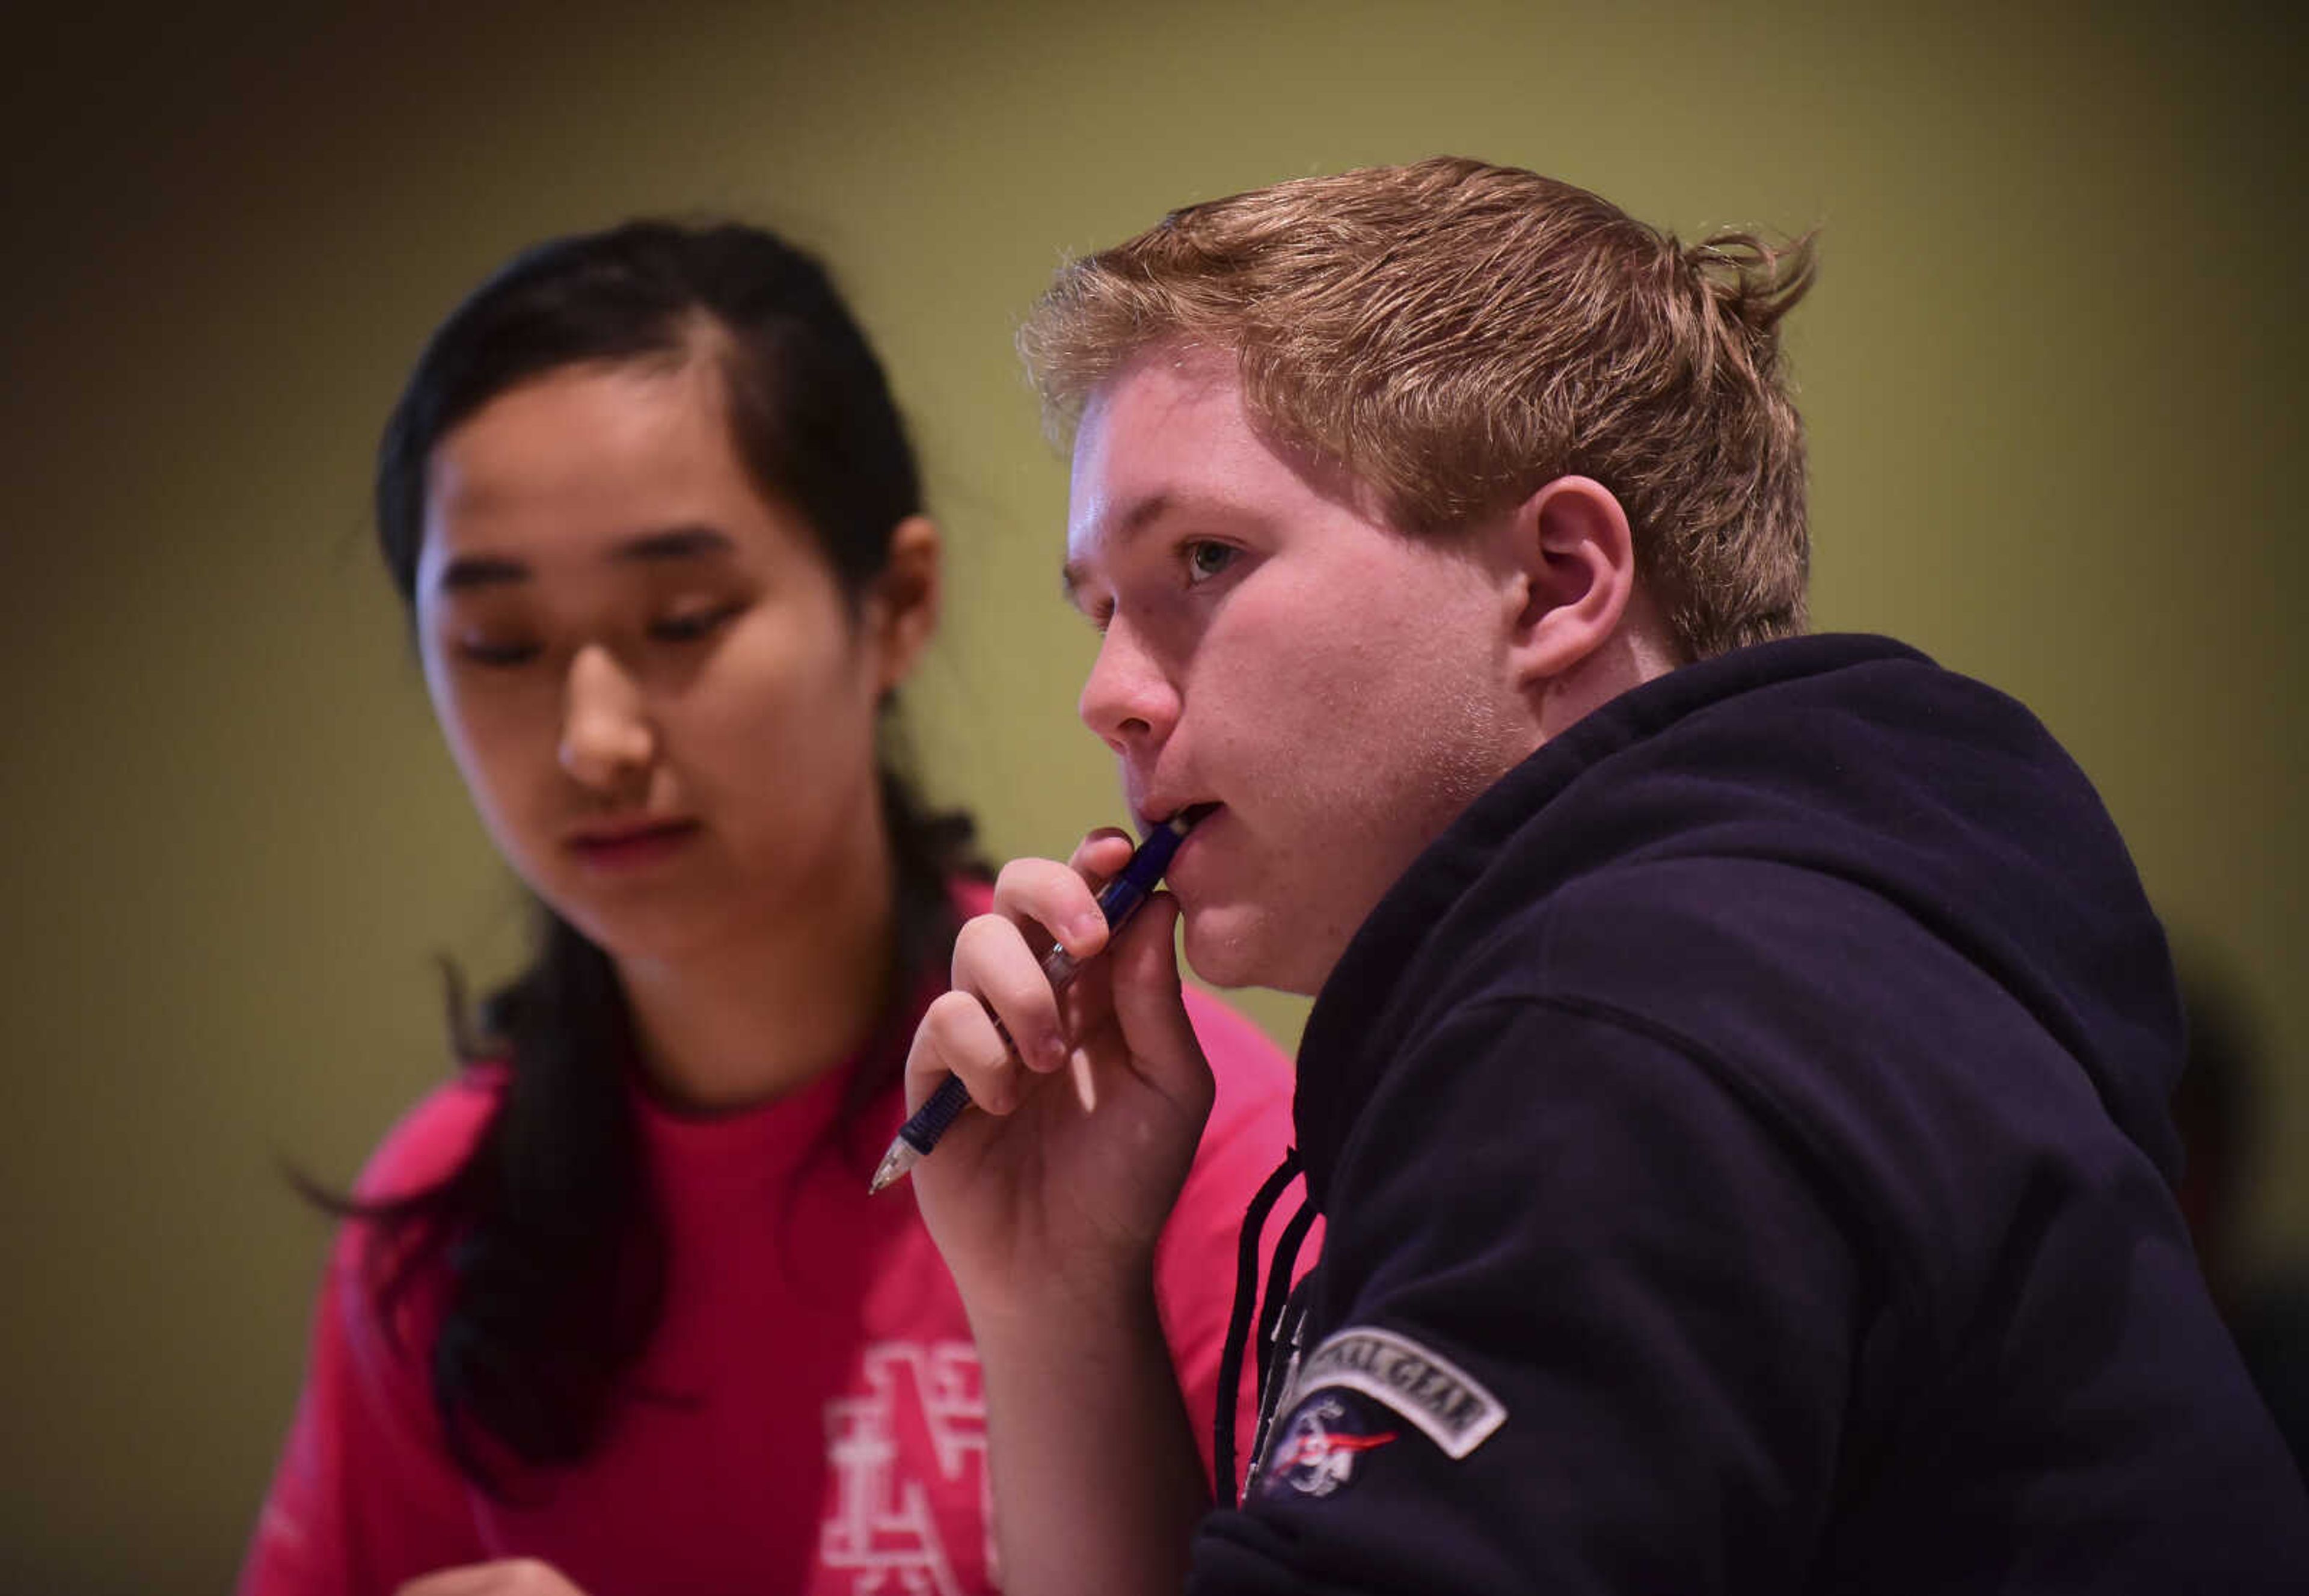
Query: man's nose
column 1129, row 699
column 605, row 735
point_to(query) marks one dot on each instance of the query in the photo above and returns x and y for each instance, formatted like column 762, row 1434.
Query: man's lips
column 1198, row 816
column 1151, row 815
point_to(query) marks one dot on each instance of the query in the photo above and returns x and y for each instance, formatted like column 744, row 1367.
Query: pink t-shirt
column 826, row 1432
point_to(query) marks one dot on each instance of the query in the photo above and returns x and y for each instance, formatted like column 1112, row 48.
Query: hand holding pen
column 1117, row 901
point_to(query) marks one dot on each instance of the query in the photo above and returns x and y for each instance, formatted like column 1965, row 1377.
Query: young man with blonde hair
column 1736, row 1091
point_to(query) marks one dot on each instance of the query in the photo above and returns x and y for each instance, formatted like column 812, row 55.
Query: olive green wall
column 2050, row 372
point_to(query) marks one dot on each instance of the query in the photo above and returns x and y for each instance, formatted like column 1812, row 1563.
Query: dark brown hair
column 546, row 1236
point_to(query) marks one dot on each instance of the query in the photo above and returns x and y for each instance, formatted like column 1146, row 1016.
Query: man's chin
column 1224, row 947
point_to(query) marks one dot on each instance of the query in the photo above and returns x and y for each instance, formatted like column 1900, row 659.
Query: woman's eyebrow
column 470, row 571
column 467, row 572
column 675, row 542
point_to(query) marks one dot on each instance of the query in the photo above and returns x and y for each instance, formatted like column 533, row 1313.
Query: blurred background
column 2050, row 373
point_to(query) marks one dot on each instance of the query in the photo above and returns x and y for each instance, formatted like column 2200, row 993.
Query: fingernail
column 1088, row 926
column 1055, row 1050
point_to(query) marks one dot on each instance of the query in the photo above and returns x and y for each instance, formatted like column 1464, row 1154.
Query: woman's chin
column 653, row 933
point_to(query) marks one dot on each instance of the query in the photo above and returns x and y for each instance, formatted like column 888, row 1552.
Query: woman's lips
column 632, row 850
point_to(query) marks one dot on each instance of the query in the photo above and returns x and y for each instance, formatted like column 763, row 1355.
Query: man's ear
column 1571, row 546
column 903, row 610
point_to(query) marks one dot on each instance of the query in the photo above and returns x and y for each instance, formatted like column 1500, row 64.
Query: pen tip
column 894, row 1163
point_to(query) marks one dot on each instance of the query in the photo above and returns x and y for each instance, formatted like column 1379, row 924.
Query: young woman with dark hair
column 612, row 1310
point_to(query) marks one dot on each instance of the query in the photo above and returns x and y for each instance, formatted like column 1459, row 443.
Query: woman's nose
column 605, row 735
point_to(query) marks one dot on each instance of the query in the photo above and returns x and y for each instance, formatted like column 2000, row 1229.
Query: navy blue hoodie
column 1743, row 1147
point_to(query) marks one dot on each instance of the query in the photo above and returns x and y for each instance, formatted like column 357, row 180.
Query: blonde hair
column 1457, row 335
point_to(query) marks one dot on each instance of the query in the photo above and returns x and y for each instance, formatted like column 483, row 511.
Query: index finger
column 1099, row 857
column 1062, row 899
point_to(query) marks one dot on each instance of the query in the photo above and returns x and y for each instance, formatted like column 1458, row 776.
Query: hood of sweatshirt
column 1851, row 756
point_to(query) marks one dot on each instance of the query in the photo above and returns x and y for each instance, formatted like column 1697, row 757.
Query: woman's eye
column 692, row 626
column 485, row 651
column 1205, row 559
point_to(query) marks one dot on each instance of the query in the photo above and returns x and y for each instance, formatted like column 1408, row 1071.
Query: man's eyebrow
column 1119, row 529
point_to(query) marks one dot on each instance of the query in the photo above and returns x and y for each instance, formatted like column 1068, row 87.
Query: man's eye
column 693, row 626
column 1205, row 559
column 487, row 650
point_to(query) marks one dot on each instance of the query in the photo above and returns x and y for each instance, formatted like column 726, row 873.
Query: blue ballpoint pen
column 1118, row 900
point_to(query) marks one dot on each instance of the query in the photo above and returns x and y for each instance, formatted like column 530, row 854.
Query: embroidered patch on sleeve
column 1318, row 1448
column 1445, row 1401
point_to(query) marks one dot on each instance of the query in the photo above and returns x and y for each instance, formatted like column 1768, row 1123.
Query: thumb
column 1151, row 1007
